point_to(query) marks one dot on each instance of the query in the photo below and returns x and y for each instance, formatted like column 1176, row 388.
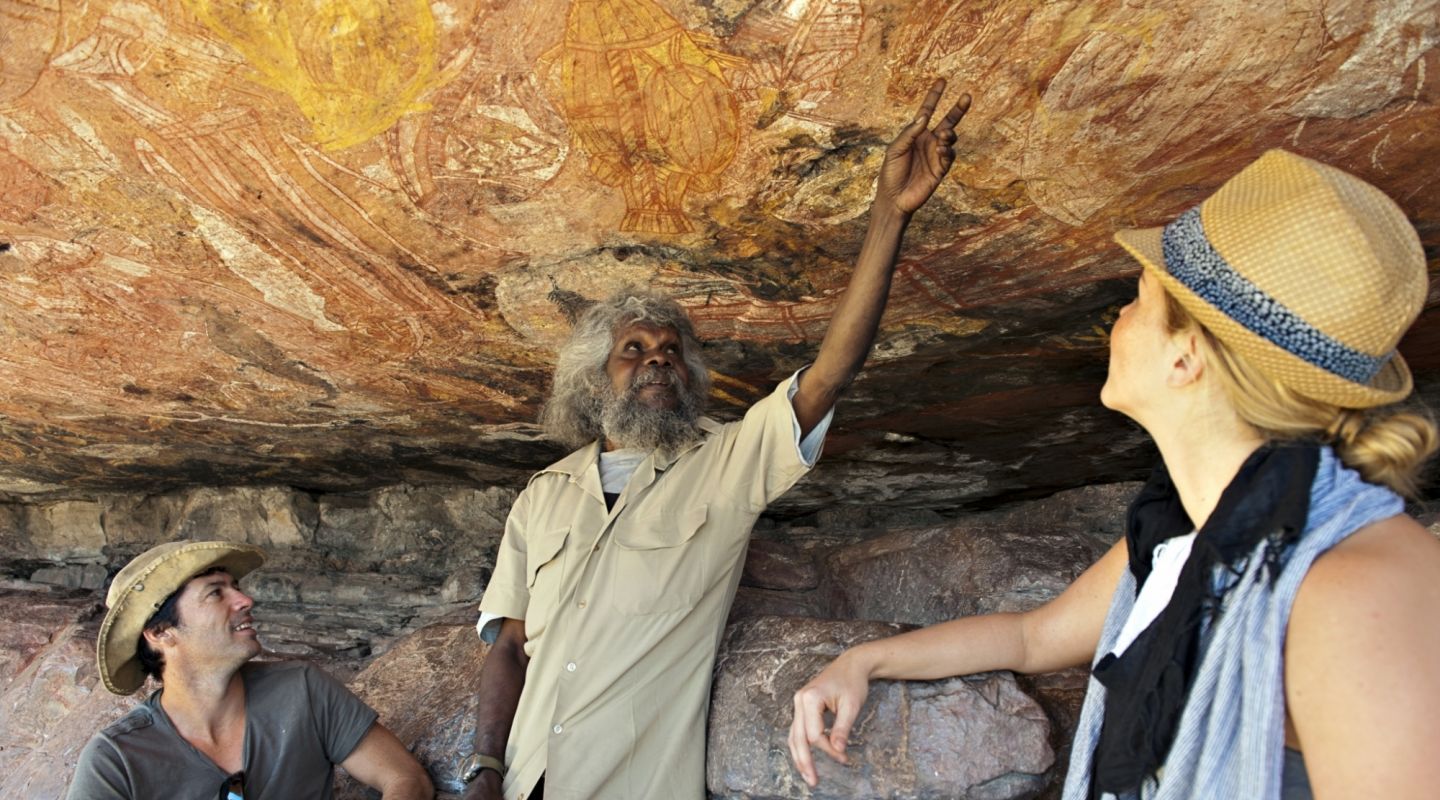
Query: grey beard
column 632, row 424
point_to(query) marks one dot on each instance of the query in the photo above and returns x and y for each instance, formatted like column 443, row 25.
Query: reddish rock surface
column 234, row 256
column 424, row 690
column 338, row 589
column 52, row 700
column 777, row 565
column 1011, row 560
column 979, row 736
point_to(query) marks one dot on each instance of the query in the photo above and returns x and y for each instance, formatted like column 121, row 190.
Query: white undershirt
column 1170, row 555
column 616, row 467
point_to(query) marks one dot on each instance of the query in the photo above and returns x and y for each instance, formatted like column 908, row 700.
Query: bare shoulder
column 1360, row 655
column 1374, row 593
column 1393, row 558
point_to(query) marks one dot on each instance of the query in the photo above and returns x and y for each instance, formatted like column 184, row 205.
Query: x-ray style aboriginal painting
column 648, row 102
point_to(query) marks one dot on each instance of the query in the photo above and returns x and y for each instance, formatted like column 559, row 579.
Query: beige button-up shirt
column 624, row 608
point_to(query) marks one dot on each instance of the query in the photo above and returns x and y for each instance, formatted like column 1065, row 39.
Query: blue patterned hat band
column 1190, row 259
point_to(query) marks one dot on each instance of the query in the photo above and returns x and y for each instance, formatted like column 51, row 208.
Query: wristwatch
column 472, row 765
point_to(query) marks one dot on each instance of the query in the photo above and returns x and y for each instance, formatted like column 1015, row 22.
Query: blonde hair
column 1387, row 446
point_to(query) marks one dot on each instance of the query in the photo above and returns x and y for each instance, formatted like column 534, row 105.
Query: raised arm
column 1061, row 633
column 914, row 165
column 501, row 680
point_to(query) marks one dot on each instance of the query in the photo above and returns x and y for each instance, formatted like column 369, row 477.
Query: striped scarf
column 1231, row 736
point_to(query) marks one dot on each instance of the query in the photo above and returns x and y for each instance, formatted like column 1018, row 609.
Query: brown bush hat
column 140, row 589
column 1308, row 273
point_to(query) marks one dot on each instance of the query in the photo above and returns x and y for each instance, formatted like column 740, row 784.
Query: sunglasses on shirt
column 234, row 787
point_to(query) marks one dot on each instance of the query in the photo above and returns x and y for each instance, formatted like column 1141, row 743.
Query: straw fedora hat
column 140, row 589
column 1306, row 272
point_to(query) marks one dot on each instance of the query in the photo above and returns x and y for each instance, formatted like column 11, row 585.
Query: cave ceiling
column 334, row 243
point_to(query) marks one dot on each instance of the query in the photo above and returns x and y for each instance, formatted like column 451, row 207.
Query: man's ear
column 1188, row 364
column 158, row 638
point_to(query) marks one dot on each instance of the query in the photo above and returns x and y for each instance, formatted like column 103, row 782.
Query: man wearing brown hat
column 222, row 725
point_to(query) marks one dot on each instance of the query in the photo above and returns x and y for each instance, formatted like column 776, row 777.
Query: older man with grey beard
column 620, row 561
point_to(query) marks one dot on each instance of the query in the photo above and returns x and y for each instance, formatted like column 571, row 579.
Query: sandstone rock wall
column 975, row 737
column 351, row 585
column 345, row 571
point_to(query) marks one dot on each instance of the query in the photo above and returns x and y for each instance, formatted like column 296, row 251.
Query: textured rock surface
column 978, row 564
column 345, row 573
column 29, row 622
column 424, row 691
column 52, row 700
column 978, row 737
column 240, row 248
column 777, row 565
column 402, row 633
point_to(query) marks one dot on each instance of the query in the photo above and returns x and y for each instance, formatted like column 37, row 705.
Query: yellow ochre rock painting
column 647, row 101
column 353, row 67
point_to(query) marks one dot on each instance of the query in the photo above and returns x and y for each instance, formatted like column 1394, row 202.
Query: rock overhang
column 215, row 275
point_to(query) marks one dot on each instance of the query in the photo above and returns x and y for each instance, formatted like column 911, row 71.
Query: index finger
column 955, row 114
column 932, row 99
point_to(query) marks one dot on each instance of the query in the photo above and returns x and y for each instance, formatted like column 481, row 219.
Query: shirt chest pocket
column 544, row 570
column 660, row 564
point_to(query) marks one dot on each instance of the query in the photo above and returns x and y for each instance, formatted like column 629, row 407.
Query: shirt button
column 569, row 668
column 558, row 728
column 582, row 603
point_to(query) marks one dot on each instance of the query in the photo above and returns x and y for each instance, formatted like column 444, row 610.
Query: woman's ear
column 1189, row 359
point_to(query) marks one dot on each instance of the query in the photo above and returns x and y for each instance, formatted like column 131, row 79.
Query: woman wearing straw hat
column 1267, row 624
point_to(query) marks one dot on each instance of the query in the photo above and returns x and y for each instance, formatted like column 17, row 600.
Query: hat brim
column 116, row 646
column 1391, row 384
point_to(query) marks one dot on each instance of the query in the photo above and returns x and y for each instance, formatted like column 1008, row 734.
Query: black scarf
column 1146, row 687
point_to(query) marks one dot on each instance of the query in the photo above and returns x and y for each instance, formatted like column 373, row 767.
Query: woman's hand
column 839, row 689
column 920, row 156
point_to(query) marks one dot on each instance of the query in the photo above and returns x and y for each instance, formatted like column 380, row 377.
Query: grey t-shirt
column 299, row 722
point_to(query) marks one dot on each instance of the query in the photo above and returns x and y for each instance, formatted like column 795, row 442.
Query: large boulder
column 424, row 690
column 1010, row 560
column 977, row 738
column 52, row 700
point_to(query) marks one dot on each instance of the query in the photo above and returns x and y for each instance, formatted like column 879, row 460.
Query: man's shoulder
column 106, row 763
column 572, row 464
column 137, row 720
column 267, row 680
column 280, row 672
column 542, row 484
column 295, row 682
column 279, row 668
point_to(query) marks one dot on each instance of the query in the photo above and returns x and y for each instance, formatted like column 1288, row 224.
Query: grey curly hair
column 573, row 414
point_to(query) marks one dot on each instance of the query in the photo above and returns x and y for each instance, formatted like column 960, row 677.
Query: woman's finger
column 817, row 735
column 845, row 713
column 799, row 743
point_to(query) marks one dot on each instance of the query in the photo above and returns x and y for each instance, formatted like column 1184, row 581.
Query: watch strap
column 475, row 763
